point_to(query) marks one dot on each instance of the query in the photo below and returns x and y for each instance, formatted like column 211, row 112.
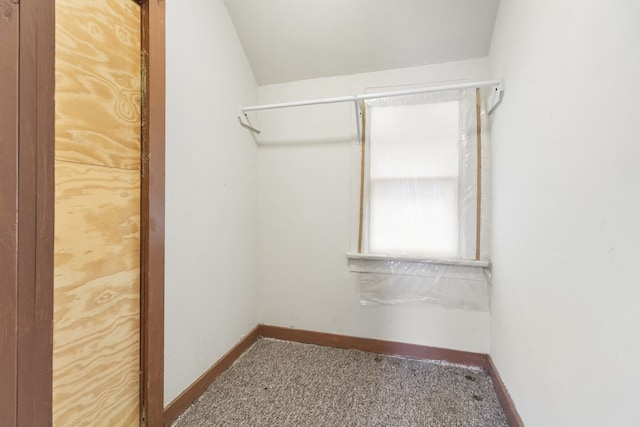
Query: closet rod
column 356, row 98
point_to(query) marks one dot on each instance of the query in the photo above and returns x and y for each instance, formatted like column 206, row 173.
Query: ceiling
column 288, row 40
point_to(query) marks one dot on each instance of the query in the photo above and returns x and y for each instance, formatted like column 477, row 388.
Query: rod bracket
column 500, row 94
column 246, row 122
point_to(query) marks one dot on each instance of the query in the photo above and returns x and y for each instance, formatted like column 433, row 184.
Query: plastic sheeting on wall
column 465, row 233
column 393, row 282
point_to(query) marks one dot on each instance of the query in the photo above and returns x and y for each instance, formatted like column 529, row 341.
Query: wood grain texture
column 35, row 212
column 96, row 350
column 27, row 157
column 9, row 33
column 153, row 212
column 98, row 80
column 96, row 295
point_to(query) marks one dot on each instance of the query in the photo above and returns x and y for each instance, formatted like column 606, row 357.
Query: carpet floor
column 279, row 383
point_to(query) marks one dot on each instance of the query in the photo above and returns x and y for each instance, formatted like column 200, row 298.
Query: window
column 413, row 180
column 423, row 194
column 424, row 201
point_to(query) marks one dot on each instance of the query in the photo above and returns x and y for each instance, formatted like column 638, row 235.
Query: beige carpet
column 278, row 383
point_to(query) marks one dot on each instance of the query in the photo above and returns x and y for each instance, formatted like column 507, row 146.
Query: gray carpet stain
column 279, row 383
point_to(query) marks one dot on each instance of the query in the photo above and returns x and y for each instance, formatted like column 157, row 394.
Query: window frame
column 360, row 250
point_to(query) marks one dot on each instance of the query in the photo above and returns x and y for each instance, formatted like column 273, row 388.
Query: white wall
column 211, row 282
column 566, row 298
column 306, row 177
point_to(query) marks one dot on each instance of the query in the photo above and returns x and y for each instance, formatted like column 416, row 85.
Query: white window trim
column 483, row 262
column 434, row 261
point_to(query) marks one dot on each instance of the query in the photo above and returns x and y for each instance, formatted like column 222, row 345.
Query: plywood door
column 96, row 354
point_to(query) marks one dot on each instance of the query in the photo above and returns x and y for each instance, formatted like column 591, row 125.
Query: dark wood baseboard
column 503, row 396
column 376, row 346
column 187, row 397
column 479, row 360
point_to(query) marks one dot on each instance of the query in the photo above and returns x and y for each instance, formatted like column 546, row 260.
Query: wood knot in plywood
column 8, row 9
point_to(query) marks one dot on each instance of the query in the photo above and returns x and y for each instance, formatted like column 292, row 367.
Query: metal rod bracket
column 500, row 91
column 246, row 122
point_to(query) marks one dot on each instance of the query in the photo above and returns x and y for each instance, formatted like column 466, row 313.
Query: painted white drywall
column 566, row 295
column 289, row 40
column 306, row 174
column 211, row 282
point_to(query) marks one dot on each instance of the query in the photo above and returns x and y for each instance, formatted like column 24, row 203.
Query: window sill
column 452, row 283
column 433, row 261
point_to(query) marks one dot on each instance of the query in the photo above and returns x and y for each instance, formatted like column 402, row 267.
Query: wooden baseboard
column 405, row 350
column 376, row 346
column 187, row 397
column 503, row 396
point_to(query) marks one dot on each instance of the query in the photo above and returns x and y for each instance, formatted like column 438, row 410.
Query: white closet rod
column 353, row 98
column 356, row 98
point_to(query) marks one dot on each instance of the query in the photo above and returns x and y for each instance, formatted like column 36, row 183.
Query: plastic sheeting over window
column 413, row 179
column 396, row 281
column 426, row 194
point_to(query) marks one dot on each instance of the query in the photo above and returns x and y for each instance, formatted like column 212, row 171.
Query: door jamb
column 152, row 214
column 27, row 213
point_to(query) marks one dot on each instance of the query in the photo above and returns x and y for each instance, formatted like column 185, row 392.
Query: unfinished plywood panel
column 98, row 82
column 96, row 300
column 96, row 354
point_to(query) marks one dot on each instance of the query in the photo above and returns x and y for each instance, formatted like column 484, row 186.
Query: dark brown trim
column 152, row 214
column 9, row 98
column 479, row 360
column 503, row 396
column 36, row 140
column 375, row 346
column 42, row 372
column 187, row 397
column 27, row 130
column 26, row 208
column 402, row 349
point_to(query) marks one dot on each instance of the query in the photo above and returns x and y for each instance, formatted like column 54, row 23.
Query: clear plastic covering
column 426, row 196
column 394, row 281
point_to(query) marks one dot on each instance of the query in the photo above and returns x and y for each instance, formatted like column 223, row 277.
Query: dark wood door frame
column 152, row 213
column 27, row 188
column 26, row 210
column 9, row 45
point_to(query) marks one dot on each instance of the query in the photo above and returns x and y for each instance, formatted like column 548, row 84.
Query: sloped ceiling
column 288, row 40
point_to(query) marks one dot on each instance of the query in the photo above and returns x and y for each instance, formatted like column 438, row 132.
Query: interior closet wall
column 308, row 179
column 566, row 300
column 211, row 201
